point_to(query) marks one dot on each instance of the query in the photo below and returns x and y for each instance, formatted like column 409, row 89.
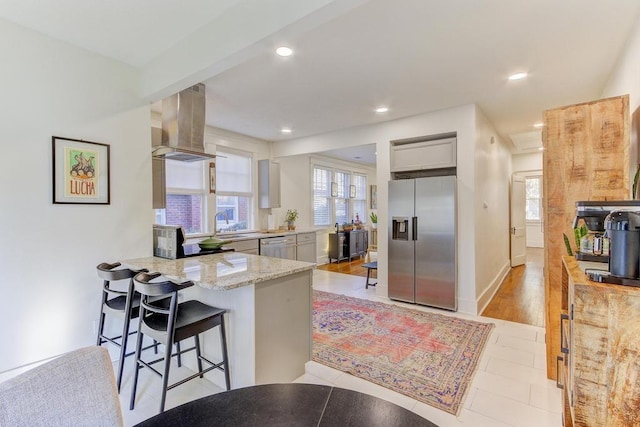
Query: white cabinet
column 306, row 250
column 415, row 154
column 247, row 246
column 268, row 184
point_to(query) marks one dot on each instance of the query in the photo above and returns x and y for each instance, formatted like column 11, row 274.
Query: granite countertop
column 221, row 271
column 249, row 235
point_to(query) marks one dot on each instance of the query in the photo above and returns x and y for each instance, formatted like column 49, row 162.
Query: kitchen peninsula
column 268, row 302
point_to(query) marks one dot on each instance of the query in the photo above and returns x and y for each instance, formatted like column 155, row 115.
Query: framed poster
column 373, row 196
column 334, row 189
column 80, row 172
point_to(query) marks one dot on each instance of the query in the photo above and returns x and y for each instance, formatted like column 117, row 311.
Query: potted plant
column 292, row 215
column 374, row 220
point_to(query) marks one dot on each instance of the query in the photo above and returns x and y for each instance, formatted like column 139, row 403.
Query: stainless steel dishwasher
column 279, row 247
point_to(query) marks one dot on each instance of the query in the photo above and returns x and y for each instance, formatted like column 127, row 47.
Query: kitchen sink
column 226, row 236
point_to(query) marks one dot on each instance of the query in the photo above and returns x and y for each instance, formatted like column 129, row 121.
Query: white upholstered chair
column 75, row 389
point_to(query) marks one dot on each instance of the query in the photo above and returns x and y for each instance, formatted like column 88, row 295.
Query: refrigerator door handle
column 414, row 228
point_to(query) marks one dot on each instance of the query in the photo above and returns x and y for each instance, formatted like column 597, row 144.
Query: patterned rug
column 429, row 357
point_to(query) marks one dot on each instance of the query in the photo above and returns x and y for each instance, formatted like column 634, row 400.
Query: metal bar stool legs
column 121, row 304
column 225, row 357
column 370, row 266
column 171, row 324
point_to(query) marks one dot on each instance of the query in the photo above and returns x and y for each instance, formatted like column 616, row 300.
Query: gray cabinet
column 357, row 243
column 347, row 245
column 306, row 247
column 268, row 184
column 159, row 174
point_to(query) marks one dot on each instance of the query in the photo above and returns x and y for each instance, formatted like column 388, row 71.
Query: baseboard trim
column 488, row 294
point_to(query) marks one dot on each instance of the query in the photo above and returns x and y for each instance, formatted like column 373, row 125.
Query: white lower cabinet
column 306, row 247
column 246, row 246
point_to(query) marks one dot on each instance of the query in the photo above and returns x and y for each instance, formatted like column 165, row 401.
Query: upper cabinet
column 159, row 174
column 268, row 184
column 433, row 152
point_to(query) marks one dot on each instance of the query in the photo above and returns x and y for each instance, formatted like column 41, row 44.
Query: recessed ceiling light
column 382, row 109
column 517, row 76
column 285, row 130
column 284, row 51
column 538, row 125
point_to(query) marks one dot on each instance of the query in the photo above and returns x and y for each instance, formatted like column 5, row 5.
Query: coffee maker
column 623, row 228
column 614, row 227
column 593, row 246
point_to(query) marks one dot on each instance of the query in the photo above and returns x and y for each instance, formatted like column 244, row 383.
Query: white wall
column 459, row 119
column 625, row 79
column 527, row 162
column 295, row 189
column 492, row 179
column 48, row 253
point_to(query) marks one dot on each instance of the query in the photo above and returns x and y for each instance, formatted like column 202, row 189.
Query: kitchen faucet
column 226, row 218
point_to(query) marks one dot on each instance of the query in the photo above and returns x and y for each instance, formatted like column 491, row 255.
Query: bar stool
column 119, row 303
column 170, row 322
column 370, row 266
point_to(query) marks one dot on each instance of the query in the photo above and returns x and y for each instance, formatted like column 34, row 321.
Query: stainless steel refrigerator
column 422, row 241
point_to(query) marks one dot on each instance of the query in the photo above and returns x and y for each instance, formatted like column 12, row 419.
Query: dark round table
column 288, row 405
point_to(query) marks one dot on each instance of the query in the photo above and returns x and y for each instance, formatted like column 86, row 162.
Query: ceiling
column 414, row 56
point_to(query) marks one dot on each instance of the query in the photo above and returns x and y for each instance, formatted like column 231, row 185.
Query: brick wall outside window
column 185, row 210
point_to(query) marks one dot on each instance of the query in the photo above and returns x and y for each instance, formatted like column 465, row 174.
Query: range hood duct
column 183, row 117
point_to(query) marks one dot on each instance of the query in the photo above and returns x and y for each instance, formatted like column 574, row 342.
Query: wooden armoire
column 585, row 157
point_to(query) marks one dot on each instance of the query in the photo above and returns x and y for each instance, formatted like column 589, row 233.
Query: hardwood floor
column 520, row 298
column 354, row 267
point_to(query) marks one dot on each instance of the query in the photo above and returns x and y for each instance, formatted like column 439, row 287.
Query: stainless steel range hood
column 183, row 121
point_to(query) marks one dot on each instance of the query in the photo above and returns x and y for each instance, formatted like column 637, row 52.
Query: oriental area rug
column 427, row 356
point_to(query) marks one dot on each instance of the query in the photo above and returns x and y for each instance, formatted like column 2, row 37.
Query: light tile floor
column 510, row 387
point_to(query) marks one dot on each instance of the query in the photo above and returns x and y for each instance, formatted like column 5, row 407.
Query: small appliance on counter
column 623, row 230
column 169, row 242
column 594, row 246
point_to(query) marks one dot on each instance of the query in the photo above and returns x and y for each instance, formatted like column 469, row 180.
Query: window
column 360, row 201
column 186, row 203
column 233, row 192
column 341, row 201
column 340, row 207
column 533, row 189
column 321, row 196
